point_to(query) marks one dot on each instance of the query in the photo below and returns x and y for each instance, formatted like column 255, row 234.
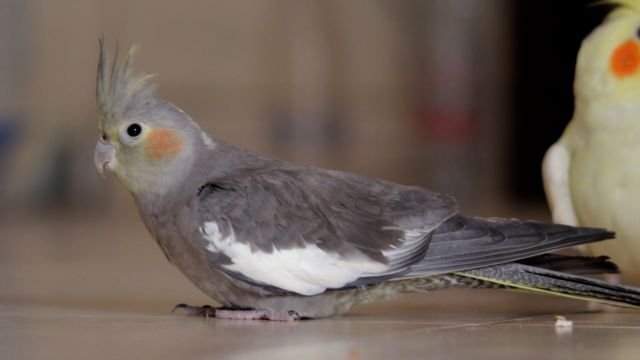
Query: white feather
column 555, row 171
column 412, row 240
column 306, row 271
column 206, row 140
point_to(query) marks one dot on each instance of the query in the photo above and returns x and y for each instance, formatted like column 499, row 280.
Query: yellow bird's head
column 608, row 66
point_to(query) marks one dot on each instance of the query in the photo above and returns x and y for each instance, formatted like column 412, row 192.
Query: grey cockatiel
column 273, row 240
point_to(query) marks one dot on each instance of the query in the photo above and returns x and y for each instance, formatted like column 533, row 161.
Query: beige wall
column 235, row 65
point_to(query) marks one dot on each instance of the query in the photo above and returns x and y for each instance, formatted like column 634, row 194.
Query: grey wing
column 463, row 243
column 306, row 230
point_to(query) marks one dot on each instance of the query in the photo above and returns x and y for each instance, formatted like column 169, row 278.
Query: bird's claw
column 205, row 311
column 208, row 311
column 258, row 315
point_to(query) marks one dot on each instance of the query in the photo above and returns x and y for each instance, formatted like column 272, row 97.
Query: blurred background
column 461, row 96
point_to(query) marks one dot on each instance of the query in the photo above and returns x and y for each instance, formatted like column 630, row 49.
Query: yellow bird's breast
column 605, row 190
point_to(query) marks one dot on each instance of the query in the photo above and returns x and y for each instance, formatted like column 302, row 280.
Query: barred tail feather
column 537, row 279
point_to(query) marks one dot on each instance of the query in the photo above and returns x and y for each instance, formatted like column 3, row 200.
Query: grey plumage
column 117, row 89
column 464, row 243
column 260, row 233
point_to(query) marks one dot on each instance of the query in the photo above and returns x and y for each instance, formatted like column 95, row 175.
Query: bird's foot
column 207, row 311
column 257, row 315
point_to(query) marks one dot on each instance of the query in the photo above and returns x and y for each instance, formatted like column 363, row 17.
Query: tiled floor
column 98, row 288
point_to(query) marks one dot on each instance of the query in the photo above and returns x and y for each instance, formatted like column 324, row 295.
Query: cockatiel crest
column 117, row 88
column 624, row 5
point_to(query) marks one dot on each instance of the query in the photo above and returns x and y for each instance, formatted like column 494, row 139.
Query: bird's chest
column 190, row 259
column 605, row 181
column 164, row 231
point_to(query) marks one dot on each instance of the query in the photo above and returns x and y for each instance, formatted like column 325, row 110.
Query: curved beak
column 104, row 156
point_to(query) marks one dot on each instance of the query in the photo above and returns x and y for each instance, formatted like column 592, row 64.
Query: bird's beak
column 104, row 156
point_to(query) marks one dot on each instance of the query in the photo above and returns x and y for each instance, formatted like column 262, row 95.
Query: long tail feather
column 552, row 282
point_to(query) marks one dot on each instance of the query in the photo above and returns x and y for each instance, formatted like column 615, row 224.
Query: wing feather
column 306, row 230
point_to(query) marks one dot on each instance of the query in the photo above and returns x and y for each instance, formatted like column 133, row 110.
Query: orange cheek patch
column 625, row 59
column 163, row 143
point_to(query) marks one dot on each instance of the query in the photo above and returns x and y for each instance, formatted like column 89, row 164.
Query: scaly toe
column 205, row 311
column 257, row 315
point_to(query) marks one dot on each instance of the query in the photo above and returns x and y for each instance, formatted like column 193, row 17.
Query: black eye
column 134, row 130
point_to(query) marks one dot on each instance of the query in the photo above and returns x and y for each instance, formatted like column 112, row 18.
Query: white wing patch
column 555, row 173
column 206, row 140
column 306, row 271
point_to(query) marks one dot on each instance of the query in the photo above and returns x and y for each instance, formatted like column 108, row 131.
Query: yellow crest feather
column 633, row 5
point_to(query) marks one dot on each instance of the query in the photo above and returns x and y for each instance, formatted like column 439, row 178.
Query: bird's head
column 149, row 144
column 608, row 66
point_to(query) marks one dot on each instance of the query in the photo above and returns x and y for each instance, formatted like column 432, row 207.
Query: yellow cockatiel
column 592, row 173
